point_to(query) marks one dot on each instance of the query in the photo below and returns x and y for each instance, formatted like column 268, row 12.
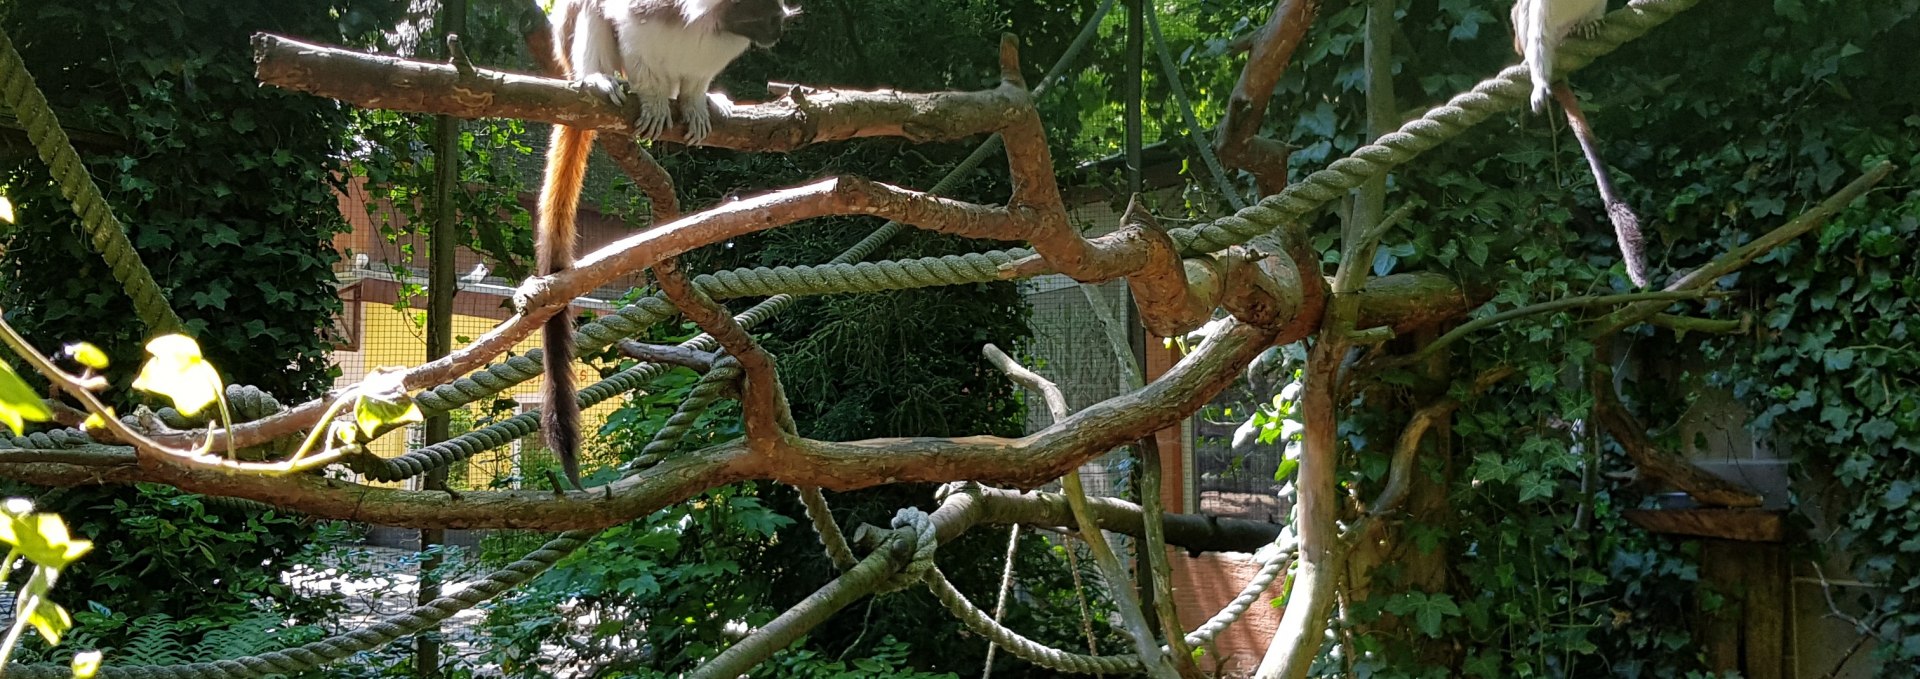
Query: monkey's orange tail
column 1626, row 225
column 553, row 250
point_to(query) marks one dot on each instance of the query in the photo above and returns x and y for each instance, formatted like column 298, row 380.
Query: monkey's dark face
column 761, row 21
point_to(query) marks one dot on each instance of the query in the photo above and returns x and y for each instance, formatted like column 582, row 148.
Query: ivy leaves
column 42, row 540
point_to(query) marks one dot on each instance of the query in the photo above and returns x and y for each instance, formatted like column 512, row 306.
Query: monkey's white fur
column 1538, row 28
column 668, row 50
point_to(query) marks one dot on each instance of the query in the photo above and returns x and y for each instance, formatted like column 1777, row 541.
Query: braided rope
column 716, row 384
column 1493, row 95
column 828, row 279
column 834, row 541
column 1027, row 649
column 1274, row 559
column 104, row 231
column 309, row 656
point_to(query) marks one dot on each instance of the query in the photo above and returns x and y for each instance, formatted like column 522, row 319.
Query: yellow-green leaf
column 6, row 210
column 88, row 355
column 18, row 402
column 86, row 664
column 43, row 539
column 383, row 404
column 50, row 620
column 178, row 372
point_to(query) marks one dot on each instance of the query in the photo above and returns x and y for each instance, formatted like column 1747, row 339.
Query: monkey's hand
column 605, row 86
column 698, row 112
column 528, row 291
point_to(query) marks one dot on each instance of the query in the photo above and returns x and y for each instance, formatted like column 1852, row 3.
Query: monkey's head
column 761, row 21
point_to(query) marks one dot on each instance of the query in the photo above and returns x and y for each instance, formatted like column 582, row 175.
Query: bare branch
column 1650, row 459
column 686, row 357
column 1239, row 145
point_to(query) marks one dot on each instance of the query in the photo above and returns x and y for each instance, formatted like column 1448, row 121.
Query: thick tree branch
column 391, row 83
column 686, row 357
column 1650, row 459
column 1239, row 145
column 1028, row 462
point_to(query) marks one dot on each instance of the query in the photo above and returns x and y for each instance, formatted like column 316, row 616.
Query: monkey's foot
column 698, row 112
column 656, row 114
column 1587, row 30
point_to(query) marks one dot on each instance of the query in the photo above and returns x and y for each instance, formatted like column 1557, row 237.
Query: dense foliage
column 226, row 187
column 1720, row 125
column 1518, row 561
column 228, row 191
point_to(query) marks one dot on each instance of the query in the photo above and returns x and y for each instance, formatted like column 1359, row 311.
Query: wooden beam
column 1745, row 525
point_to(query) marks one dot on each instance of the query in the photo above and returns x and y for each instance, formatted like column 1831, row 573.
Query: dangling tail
column 1626, row 225
column 553, row 248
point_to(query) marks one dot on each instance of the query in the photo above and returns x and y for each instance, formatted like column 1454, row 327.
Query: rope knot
column 924, row 544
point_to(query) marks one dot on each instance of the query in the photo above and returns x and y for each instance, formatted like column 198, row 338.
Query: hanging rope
column 103, row 230
column 1006, row 587
column 1195, row 133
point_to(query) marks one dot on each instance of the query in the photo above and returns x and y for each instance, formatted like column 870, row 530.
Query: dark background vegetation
column 1721, row 125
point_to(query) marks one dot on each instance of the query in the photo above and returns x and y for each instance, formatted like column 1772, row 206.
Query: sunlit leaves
column 382, row 404
column 86, row 664
column 177, row 371
column 18, row 402
column 87, row 354
column 42, row 539
column 48, row 618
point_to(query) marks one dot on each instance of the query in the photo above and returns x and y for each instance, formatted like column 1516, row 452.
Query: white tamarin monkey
column 1538, row 28
column 668, row 50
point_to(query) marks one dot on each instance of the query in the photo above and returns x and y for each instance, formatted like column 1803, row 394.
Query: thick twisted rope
column 309, row 656
column 104, row 231
column 925, row 543
column 831, row 539
column 1493, row 95
column 1027, row 649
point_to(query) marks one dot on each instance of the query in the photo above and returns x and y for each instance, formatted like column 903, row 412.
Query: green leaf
column 1898, row 494
column 1285, row 469
column 1534, row 485
column 1428, row 610
column 86, row 664
column 88, row 355
column 18, row 402
column 178, row 372
column 1483, row 665
column 42, row 538
column 50, row 620
column 383, row 404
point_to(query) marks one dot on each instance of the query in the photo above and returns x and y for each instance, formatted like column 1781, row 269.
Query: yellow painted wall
column 391, row 337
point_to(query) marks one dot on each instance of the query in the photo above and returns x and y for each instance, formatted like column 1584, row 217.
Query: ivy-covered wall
column 1721, row 125
column 226, row 187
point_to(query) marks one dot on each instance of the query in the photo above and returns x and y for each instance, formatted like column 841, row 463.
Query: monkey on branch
column 669, row 52
column 1538, row 28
